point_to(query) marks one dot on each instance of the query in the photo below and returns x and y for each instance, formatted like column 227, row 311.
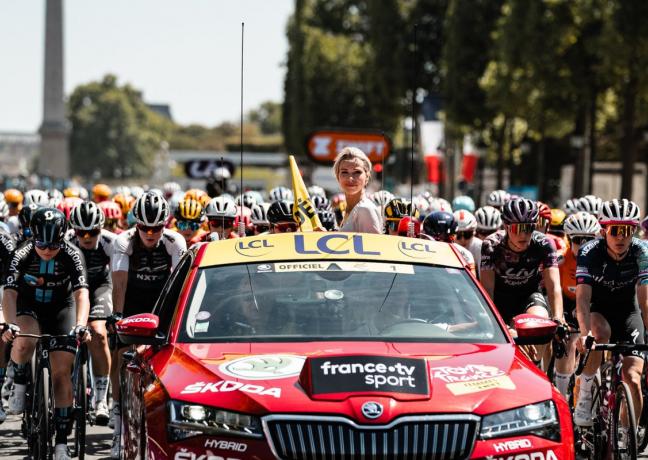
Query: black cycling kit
column 45, row 287
column 99, row 278
column 148, row 269
column 7, row 248
column 614, row 286
column 518, row 275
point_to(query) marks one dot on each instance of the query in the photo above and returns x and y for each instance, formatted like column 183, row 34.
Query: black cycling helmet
column 520, row 211
column 440, row 225
column 280, row 212
column 87, row 216
column 327, row 218
column 151, row 209
column 48, row 225
column 25, row 215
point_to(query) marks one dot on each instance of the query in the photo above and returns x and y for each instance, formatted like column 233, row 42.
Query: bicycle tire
column 43, row 416
column 642, row 441
column 80, row 406
column 622, row 394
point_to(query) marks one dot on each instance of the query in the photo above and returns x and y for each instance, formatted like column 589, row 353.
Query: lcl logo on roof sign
column 323, row 145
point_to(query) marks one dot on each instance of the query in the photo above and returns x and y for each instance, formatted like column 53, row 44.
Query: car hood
column 264, row 378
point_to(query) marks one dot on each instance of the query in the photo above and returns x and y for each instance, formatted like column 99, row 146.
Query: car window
column 166, row 303
column 337, row 300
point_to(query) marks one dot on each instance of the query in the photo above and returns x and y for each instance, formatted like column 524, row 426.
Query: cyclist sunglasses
column 87, row 233
column 43, row 245
column 222, row 222
column 465, row 235
column 580, row 239
column 516, row 229
column 621, row 230
column 285, row 227
column 187, row 225
column 261, row 228
column 150, row 229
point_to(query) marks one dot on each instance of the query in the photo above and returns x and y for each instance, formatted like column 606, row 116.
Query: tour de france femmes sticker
column 264, row 367
column 351, row 374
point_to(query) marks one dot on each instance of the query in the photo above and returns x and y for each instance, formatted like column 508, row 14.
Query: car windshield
column 337, row 300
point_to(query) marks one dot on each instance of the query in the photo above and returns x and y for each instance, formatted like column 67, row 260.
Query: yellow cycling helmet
column 558, row 217
column 396, row 209
column 101, row 192
column 189, row 209
column 72, row 192
column 125, row 202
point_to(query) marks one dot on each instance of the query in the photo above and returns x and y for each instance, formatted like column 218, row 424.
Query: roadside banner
column 304, row 212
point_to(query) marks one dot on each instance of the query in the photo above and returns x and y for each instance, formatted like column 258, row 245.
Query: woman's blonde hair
column 352, row 154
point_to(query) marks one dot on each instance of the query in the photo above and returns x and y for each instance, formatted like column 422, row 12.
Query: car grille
column 336, row 438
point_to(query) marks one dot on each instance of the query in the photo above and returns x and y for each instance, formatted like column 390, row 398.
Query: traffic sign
column 322, row 146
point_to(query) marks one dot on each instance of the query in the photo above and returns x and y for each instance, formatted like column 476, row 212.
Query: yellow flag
column 304, row 212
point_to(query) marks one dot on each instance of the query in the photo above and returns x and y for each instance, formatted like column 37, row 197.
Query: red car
column 334, row 346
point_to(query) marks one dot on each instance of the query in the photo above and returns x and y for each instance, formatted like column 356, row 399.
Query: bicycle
column 559, row 348
column 612, row 406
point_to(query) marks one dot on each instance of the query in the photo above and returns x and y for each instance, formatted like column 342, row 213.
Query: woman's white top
column 364, row 218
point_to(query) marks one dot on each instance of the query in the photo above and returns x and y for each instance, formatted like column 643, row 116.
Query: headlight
column 186, row 420
column 539, row 419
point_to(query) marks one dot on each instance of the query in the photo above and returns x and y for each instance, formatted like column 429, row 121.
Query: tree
column 113, row 132
column 267, row 116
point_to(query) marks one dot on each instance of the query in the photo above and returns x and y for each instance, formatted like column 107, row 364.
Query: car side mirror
column 533, row 330
column 140, row 329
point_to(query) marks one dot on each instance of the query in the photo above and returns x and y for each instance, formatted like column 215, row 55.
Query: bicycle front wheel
column 624, row 429
column 80, row 408
column 42, row 416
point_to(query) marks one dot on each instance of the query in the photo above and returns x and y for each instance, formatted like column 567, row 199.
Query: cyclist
column 24, row 218
column 46, row 279
column 96, row 244
column 489, row 220
column 7, row 247
column 259, row 218
column 394, row 211
column 589, row 203
column 280, row 216
column 580, row 228
column 466, row 226
column 189, row 216
column 498, row 198
column 101, row 192
column 544, row 221
column 143, row 259
column 113, row 216
column 514, row 263
column 14, row 199
column 442, row 226
column 612, row 273
column 558, row 217
column 221, row 214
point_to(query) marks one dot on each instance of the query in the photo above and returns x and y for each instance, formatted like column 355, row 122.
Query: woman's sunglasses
column 87, row 233
column 579, row 240
column 516, row 229
column 43, row 245
column 150, row 229
column 621, row 230
column 465, row 235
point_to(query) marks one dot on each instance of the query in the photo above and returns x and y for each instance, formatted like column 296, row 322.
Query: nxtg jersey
column 98, row 258
column 148, row 269
column 41, row 281
column 613, row 282
column 517, row 274
column 7, row 247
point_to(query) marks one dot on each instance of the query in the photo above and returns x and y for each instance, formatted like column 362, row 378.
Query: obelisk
column 54, row 156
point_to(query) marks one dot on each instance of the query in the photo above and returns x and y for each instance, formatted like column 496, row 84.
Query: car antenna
column 382, row 182
column 241, row 225
column 410, row 226
column 222, row 165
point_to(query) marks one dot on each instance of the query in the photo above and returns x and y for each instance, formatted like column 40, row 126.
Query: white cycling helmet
column 465, row 220
column 498, row 198
column 87, row 216
column 169, row 188
column 259, row 215
column 381, row 197
column 581, row 223
column 571, row 206
column 221, row 207
column 488, row 219
column 589, row 203
column 440, row 204
column 247, row 199
column 281, row 193
column 4, row 209
column 316, row 190
column 619, row 212
column 151, row 209
column 38, row 197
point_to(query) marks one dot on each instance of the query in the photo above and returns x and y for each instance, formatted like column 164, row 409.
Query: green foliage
column 112, row 127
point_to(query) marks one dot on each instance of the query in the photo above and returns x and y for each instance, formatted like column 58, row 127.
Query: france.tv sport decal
column 361, row 374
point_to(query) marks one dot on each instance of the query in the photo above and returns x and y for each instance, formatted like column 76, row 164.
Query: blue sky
column 184, row 53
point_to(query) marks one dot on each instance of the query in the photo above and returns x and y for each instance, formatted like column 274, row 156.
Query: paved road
column 13, row 446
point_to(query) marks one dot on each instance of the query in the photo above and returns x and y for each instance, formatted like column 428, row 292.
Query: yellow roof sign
column 328, row 245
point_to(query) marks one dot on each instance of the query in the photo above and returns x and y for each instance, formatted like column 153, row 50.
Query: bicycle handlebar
column 618, row 347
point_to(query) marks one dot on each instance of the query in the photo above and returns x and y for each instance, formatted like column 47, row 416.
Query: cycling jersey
column 148, row 269
column 568, row 276
column 517, row 274
column 613, row 282
column 475, row 249
column 560, row 245
column 7, row 247
column 98, row 258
